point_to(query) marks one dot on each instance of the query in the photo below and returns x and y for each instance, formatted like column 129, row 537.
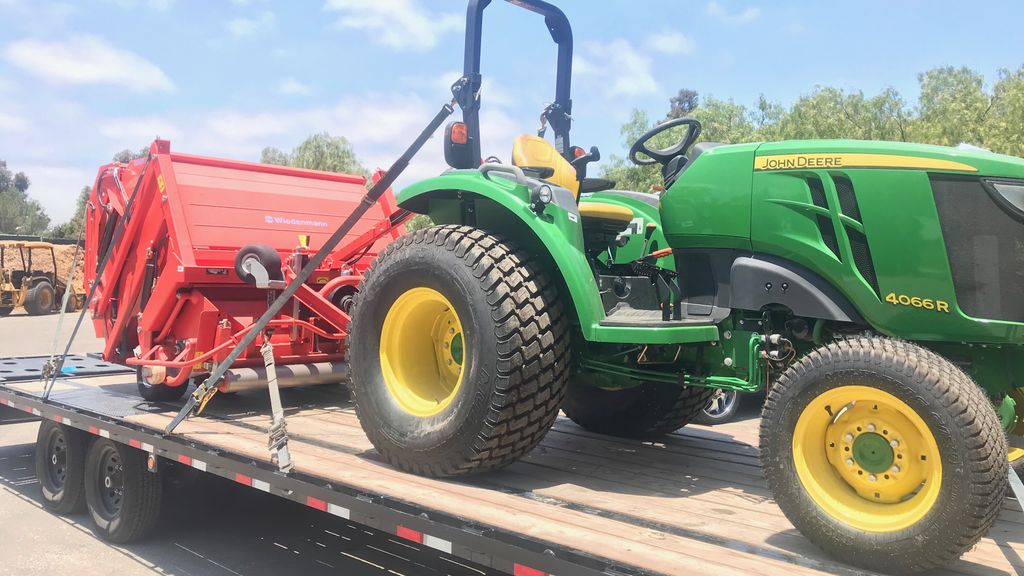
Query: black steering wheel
column 664, row 155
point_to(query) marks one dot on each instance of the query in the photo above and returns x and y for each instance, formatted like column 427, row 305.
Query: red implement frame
column 169, row 295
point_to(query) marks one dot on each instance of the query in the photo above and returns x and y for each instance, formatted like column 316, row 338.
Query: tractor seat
column 603, row 222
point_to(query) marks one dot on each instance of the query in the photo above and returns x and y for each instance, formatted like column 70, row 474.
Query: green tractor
column 873, row 288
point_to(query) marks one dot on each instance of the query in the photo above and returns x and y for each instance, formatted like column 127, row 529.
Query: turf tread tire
column 937, row 389
column 531, row 331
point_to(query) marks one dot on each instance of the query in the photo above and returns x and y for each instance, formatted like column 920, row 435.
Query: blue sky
column 80, row 81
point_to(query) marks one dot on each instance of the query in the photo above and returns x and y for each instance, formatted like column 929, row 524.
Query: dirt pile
column 64, row 255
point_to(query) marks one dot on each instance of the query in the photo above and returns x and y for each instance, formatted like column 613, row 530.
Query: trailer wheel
column 458, row 352
column 123, row 497
column 647, row 410
column 60, row 466
column 40, row 299
column 884, row 454
column 159, row 392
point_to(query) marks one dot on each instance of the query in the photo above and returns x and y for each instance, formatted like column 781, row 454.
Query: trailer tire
column 884, row 454
column 122, row 496
column 40, row 299
column 647, row 410
column 60, row 466
column 267, row 256
column 483, row 400
column 159, row 392
column 5, row 311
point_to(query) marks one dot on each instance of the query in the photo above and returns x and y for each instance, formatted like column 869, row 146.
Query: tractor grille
column 825, row 227
column 985, row 246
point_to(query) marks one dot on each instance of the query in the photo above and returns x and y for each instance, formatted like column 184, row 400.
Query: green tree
column 1004, row 127
column 953, row 107
column 318, row 152
column 683, row 103
column 19, row 214
column 724, row 121
column 125, row 156
column 74, row 227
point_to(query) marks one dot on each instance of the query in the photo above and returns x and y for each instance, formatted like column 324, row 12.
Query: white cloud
column 744, row 16
column 401, row 24
column 292, row 87
column 624, row 71
column 86, row 60
column 12, row 123
column 671, row 42
column 241, row 27
column 135, row 132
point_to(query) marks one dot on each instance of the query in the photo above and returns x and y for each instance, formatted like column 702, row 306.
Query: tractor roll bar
column 467, row 89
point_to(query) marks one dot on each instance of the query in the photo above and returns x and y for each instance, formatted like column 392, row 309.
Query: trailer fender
column 500, row 205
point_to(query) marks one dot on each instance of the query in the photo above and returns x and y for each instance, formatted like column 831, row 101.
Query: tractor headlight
column 1010, row 193
column 541, row 196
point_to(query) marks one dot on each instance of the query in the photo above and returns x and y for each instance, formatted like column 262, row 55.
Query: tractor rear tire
column 40, row 299
column 647, row 410
column 884, row 454
column 60, row 466
column 458, row 350
column 122, row 496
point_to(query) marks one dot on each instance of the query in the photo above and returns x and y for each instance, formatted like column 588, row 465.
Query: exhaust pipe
column 288, row 376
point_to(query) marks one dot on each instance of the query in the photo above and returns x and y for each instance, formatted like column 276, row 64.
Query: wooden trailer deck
column 694, row 503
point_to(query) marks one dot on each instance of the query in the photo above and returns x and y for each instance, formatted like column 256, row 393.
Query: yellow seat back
column 536, row 152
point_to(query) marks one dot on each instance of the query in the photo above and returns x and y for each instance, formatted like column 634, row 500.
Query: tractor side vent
column 847, row 199
column 825, row 226
column 858, row 241
column 862, row 257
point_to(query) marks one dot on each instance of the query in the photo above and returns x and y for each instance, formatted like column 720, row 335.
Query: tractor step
column 632, row 317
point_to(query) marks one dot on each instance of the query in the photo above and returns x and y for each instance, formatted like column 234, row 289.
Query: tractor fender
column 500, row 205
column 761, row 280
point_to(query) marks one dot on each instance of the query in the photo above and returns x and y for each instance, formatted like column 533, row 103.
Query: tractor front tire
column 458, row 351
column 40, row 299
column 884, row 454
column 645, row 410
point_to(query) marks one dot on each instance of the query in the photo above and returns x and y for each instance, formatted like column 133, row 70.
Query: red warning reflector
column 316, row 503
column 184, row 460
column 460, row 134
column 243, row 479
column 409, row 534
column 520, row 570
column 134, row 443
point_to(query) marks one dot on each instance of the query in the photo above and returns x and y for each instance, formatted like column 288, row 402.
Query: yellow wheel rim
column 867, row 459
column 422, row 352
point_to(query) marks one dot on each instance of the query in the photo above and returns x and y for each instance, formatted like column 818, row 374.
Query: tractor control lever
column 582, row 159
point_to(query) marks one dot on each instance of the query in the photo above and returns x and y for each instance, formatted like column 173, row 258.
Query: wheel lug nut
column 849, row 461
column 894, row 443
column 871, row 478
column 871, row 427
column 895, row 469
column 848, row 437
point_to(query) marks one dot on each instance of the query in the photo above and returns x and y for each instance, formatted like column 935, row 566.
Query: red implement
column 169, row 298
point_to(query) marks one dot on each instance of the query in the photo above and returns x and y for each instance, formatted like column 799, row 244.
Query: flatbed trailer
column 579, row 504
